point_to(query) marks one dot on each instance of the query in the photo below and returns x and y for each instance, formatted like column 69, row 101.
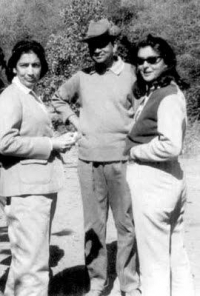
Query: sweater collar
column 23, row 88
column 18, row 83
column 117, row 66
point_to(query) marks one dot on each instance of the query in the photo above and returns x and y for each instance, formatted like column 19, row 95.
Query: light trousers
column 29, row 223
column 158, row 198
column 104, row 185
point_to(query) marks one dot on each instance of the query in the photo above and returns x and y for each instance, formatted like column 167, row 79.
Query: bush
column 191, row 143
column 37, row 19
column 60, row 24
column 65, row 53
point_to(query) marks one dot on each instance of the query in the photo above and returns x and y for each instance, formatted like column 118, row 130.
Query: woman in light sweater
column 155, row 177
column 31, row 173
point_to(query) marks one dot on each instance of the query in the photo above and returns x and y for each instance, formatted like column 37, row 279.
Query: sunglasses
column 149, row 60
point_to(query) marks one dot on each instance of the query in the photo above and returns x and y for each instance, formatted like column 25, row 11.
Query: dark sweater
column 145, row 128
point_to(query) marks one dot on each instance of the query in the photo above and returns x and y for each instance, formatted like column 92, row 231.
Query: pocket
column 35, row 171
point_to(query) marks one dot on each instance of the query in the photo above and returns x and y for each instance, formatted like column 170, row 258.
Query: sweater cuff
column 65, row 117
column 51, row 144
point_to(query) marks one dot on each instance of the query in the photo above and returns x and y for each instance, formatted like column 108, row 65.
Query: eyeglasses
column 149, row 60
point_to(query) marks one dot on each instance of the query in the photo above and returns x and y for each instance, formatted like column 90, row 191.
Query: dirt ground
column 67, row 258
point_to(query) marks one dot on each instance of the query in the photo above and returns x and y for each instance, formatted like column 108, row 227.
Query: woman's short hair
column 26, row 46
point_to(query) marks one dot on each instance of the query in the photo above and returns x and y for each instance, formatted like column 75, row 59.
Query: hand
column 63, row 142
column 131, row 154
column 77, row 136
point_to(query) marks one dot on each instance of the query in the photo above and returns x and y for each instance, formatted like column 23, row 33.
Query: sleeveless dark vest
column 145, row 128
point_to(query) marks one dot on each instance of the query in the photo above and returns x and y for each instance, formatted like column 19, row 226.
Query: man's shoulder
column 129, row 71
column 129, row 67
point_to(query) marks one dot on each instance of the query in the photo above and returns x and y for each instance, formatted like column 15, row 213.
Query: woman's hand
column 77, row 136
column 64, row 142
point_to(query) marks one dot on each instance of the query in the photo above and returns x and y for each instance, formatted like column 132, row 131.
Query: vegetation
column 60, row 24
column 191, row 142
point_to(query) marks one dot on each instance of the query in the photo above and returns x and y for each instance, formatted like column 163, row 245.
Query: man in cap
column 106, row 102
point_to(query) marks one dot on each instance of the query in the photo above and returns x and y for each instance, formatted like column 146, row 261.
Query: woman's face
column 150, row 64
column 28, row 69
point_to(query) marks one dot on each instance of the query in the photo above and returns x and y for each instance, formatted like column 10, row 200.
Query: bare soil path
column 67, row 258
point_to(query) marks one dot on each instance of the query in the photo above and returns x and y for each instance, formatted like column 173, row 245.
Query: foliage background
column 60, row 24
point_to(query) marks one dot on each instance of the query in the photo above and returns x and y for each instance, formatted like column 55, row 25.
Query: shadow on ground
column 73, row 281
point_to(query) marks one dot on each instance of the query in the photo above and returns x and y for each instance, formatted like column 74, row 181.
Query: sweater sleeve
column 171, row 128
column 11, row 142
column 64, row 96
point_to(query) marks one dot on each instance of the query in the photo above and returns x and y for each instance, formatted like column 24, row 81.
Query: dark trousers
column 104, row 185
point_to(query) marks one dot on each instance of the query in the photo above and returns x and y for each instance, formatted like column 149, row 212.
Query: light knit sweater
column 29, row 166
column 106, row 110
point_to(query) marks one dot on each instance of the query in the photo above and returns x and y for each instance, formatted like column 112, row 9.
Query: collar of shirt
column 151, row 89
column 17, row 82
column 25, row 89
column 116, row 68
column 144, row 100
column 141, row 107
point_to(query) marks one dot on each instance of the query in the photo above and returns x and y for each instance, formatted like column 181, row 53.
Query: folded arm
column 63, row 97
column 171, row 128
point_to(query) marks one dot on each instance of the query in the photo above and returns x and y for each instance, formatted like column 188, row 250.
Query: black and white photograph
column 99, row 148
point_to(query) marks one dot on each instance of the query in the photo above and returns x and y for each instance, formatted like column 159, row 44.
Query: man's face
column 101, row 50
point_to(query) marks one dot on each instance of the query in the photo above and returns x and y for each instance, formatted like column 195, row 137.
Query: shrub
column 60, row 24
column 191, row 143
column 65, row 53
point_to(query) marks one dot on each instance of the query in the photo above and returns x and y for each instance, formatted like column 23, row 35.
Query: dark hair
column 26, row 46
column 2, row 59
column 166, row 52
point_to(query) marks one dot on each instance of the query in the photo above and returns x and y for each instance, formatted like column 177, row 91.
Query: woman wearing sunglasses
column 155, row 177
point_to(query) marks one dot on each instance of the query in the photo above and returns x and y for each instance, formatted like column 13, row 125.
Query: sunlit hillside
column 59, row 25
